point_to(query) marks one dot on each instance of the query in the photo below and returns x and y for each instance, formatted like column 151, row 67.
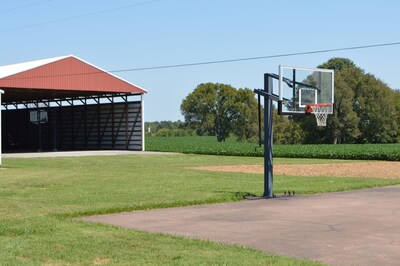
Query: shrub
column 231, row 147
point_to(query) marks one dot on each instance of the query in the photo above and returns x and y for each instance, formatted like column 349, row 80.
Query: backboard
column 299, row 87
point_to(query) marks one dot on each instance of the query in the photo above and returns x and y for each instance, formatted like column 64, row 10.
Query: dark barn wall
column 113, row 126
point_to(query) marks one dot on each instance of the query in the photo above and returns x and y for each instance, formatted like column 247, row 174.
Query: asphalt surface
column 346, row 228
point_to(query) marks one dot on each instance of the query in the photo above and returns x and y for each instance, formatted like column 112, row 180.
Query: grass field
column 40, row 198
column 209, row 145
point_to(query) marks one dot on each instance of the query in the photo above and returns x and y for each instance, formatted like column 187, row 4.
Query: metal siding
column 82, row 127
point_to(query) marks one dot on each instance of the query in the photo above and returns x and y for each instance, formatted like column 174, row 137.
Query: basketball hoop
column 320, row 111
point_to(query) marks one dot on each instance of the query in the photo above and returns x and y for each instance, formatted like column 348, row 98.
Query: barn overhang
column 86, row 107
column 60, row 77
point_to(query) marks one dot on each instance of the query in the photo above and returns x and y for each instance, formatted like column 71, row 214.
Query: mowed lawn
column 41, row 197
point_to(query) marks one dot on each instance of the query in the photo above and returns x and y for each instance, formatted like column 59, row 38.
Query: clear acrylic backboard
column 300, row 87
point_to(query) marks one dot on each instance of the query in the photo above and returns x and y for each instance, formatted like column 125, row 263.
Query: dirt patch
column 365, row 170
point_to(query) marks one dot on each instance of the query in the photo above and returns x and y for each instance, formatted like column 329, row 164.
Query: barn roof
column 59, row 77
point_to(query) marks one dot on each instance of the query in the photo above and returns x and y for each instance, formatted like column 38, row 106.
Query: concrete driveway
column 346, row 228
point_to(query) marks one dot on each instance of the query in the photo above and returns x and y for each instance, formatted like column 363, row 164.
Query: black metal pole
column 268, row 139
column 294, row 88
column 259, row 120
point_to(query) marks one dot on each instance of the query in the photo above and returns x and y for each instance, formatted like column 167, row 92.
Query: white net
column 321, row 113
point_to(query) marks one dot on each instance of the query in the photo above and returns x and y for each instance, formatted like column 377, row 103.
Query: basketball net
column 320, row 111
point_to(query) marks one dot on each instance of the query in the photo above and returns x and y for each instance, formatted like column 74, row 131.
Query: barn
column 65, row 103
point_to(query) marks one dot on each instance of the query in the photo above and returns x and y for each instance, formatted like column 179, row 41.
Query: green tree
column 219, row 109
column 154, row 128
column 397, row 106
column 198, row 109
column 246, row 123
column 375, row 104
column 286, row 130
column 339, row 64
column 342, row 127
column 365, row 107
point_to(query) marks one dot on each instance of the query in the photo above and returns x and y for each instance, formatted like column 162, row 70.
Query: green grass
column 40, row 197
column 209, row 145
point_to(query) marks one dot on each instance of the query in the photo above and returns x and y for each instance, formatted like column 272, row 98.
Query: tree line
column 367, row 111
column 168, row 129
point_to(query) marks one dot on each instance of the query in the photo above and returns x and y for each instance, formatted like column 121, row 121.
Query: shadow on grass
column 238, row 195
column 231, row 196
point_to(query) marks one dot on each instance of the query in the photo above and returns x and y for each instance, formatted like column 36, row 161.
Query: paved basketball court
column 346, row 228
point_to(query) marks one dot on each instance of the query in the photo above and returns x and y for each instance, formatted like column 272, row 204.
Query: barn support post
column 85, row 133
column 98, row 124
column 112, row 123
column 54, row 127
column 39, row 128
column 142, row 120
column 126, row 110
column 72, row 125
column 1, row 131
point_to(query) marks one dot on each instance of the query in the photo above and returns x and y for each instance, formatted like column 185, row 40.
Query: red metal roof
column 63, row 74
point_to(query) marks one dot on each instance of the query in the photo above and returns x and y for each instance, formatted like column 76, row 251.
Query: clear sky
column 128, row 34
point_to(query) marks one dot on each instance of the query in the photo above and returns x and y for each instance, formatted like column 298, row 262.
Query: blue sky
column 145, row 33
